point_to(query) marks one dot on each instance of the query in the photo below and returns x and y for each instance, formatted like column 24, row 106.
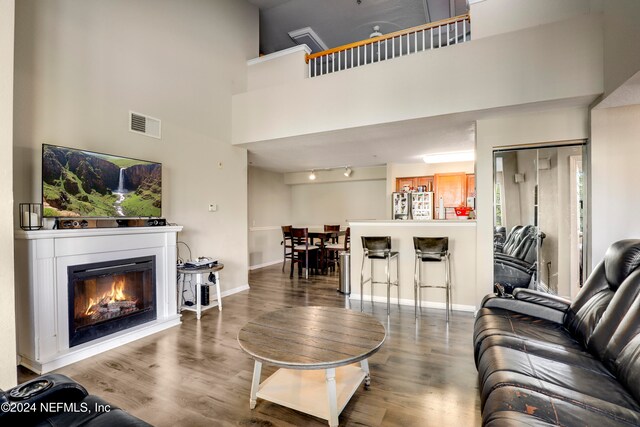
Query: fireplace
column 108, row 297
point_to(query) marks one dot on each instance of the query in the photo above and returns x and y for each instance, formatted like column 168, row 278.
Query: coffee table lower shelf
column 309, row 391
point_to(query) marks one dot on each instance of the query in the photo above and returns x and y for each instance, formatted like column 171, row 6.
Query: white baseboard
column 265, row 264
column 405, row 301
column 234, row 290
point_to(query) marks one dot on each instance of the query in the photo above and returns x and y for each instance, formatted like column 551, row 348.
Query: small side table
column 200, row 282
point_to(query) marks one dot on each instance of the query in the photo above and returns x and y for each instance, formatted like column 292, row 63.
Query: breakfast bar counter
column 462, row 247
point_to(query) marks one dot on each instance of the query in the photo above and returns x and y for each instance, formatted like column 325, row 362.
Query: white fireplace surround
column 42, row 258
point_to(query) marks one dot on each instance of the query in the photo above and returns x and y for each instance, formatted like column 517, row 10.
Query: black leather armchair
column 546, row 361
column 56, row 400
column 515, row 261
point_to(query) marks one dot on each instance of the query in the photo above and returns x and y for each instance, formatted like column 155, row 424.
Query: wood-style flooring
column 196, row 374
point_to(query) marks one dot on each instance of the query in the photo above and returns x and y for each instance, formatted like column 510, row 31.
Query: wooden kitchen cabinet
column 411, row 182
column 471, row 185
column 452, row 187
column 414, row 182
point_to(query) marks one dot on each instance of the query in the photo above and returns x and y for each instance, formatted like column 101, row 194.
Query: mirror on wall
column 539, row 218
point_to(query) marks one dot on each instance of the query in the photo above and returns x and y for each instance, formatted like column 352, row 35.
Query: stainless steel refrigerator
column 422, row 205
column 401, row 205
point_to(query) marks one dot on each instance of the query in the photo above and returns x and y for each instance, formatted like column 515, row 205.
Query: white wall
column 277, row 68
column 400, row 170
column 337, row 175
column 614, row 176
column 336, row 202
column 555, row 61
column 514, row 130
column 7, row 302
column 82, row 65
column 621, row 25
column 269, row 209
column 491, row 17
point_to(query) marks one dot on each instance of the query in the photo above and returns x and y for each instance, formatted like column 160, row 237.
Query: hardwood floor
column 196, row 374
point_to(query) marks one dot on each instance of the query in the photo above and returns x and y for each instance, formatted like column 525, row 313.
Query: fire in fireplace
column 108, row 297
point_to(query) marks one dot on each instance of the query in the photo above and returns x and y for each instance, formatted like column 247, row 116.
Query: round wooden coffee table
column 304, row 341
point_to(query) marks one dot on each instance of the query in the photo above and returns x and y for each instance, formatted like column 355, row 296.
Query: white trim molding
column 234, row 290
column 355, row 299
column 266, row 228
column 265, row 264
column 280, row 53
column 413, row 223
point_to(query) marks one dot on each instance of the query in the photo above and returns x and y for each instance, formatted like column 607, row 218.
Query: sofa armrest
column 542, row 298
column 528, row 308
column 36, row 394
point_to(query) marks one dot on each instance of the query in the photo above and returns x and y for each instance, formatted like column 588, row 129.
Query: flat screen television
column 84, row 184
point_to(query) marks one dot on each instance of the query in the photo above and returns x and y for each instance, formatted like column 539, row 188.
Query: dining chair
column 334, row 239
column 333, row 249
column 287, row 245
column 333, row 229
column 301, row 251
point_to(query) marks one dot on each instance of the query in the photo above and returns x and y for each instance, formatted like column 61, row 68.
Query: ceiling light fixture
column 347, row 171
column 376, row 32
column 312, row 175
column 456, row 156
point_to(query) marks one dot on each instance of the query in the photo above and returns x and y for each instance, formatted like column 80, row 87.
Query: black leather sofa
column 543, row 361
column 56, row 400
column 515, row 260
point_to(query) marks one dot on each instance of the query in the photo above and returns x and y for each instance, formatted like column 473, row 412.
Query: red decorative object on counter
column 462, row 212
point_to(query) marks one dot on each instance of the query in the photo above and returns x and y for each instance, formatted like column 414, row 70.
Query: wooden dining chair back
column 333, row 229
column 287, row 245
column 303, row 252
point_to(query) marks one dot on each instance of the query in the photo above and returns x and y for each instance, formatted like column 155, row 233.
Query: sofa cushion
column 583, row 378
column 499, row 322
column 628, row 366
column 512, row 405
column 621, row 259
column 623, row 305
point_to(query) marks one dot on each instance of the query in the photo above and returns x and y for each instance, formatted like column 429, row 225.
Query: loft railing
column 433, row 35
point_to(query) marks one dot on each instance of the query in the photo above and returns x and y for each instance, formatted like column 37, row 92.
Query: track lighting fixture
column 347, row 171
column 312, row 175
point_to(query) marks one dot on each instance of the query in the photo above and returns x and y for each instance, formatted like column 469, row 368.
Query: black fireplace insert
column 108, row 297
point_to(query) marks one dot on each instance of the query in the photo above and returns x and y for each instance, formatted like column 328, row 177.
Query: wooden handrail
column 395, row 34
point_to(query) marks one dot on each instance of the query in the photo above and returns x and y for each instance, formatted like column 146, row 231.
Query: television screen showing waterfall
column 84, row 184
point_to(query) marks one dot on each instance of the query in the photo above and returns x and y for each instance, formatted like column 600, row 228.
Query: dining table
column 323, row 237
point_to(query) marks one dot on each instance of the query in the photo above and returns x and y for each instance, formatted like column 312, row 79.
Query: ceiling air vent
column 145, row 125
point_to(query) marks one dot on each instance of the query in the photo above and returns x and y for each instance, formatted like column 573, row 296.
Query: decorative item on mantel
column 31, row 216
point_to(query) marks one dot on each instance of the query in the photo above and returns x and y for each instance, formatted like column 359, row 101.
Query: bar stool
column 432, row 249
column 379, row 248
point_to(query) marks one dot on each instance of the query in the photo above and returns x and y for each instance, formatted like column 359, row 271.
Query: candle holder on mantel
column 31, row 216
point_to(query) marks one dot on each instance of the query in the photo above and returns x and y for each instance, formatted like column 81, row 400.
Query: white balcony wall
column 278, row 68
column 621, row 40
column 517, row 68
column 491, row 17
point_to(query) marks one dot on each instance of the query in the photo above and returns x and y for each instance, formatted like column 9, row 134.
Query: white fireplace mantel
column 42, row 258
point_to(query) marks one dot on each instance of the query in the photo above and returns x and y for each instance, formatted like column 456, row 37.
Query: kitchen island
column 462, row 246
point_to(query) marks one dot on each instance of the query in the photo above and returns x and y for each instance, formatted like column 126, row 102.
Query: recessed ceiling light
column 456, row 156
column 312, row 175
